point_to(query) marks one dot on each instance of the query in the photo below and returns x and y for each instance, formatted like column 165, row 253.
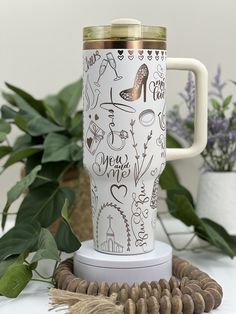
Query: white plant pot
column 216, row 198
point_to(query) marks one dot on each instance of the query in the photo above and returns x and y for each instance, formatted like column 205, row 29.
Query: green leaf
column 20, row 238
column 15, row 192
column 14, row 280
column 63, row 104
column 215, row 104
column 12, row 260
column 8, row 113
column 5, row 264
column 181, row 208
column 3, row 136
column 71, row 95
column 172, row 142
column 4, row 126
column 22, row 141
column 227, row 102
column 44, row 203
column 217, row 236
column 46, row 247
column 58, row 147
column 169, row 178
column 34, row 103
column 9, row 98
column 76, row 125
column 21, row 154
column 35, row 125
column 5, row 150
column 65, row 238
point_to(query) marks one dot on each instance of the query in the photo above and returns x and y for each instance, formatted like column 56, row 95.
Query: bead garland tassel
column 189, row 291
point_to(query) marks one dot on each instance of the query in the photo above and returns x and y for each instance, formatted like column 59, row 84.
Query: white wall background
column 41, row 44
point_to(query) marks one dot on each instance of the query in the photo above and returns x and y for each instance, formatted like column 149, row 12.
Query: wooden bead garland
column 189, row 290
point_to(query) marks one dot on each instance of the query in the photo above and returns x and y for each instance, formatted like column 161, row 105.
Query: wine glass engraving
column 112, row 63
column 102, row 69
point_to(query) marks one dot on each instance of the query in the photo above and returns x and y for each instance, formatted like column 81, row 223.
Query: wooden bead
column 82, row 286
column 130, row 307
column 141, row 306
column 167, row 293
column 144, row 293
column 114, row 288
column 216, row 295
column 199, row 303
column 146, row 284
column 176, row 291
column 153, row 305
column 156, row 293
column 134, row 294
column 173, row 282
column 188, row 305
column 176, row 305
column 156, row 285
column 187, row 290
column 136, row 286
column 182, row 269
column 62, row 278
column 73, row 284
column 209, row 300
column 126, row 286
column 123, row 296
column 92, row 288
column 214, row 285
column 103, row 288
column 165, row 305
column 183, row 282
column 164, row 284
column 66, row 282
column 194, row 287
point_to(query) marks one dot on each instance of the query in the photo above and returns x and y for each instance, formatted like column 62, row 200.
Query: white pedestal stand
column 92, row 265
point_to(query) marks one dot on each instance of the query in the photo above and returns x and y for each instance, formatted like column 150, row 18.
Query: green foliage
column 181, row 206
column 50, row 144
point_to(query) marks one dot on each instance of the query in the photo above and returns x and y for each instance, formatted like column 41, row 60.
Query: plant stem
column 43, row 277
column 8, row 214
column 41, row 280
column 54, row 269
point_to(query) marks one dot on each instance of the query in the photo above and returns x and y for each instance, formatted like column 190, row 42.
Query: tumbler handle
column 200, row 119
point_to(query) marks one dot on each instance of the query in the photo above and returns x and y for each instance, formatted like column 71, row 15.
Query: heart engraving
column 118, row 192
column 89, row 141
column 120, row 52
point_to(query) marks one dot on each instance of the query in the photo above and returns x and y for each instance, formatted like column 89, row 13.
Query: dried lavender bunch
column 220, row 152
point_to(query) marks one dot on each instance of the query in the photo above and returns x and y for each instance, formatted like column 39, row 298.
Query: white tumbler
column 125, row 129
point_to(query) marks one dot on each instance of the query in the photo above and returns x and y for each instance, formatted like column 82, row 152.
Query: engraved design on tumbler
column 110, row 244
column 154, row 197
column 147, row 117
column 119, row 215
column 90, row 95
column 162, row 118
column 103, row 66
column 118, row 192
column 140, row 167
column 94, row 136
column 120, row 54
column 140, row 214
column 140, row 81
column 116, row 140
column 161, row 141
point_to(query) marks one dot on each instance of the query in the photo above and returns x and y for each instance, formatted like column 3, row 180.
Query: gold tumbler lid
column 124, row 29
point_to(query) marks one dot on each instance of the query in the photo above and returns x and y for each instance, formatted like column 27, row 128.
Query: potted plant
column 216, row 192
column 55, row 212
